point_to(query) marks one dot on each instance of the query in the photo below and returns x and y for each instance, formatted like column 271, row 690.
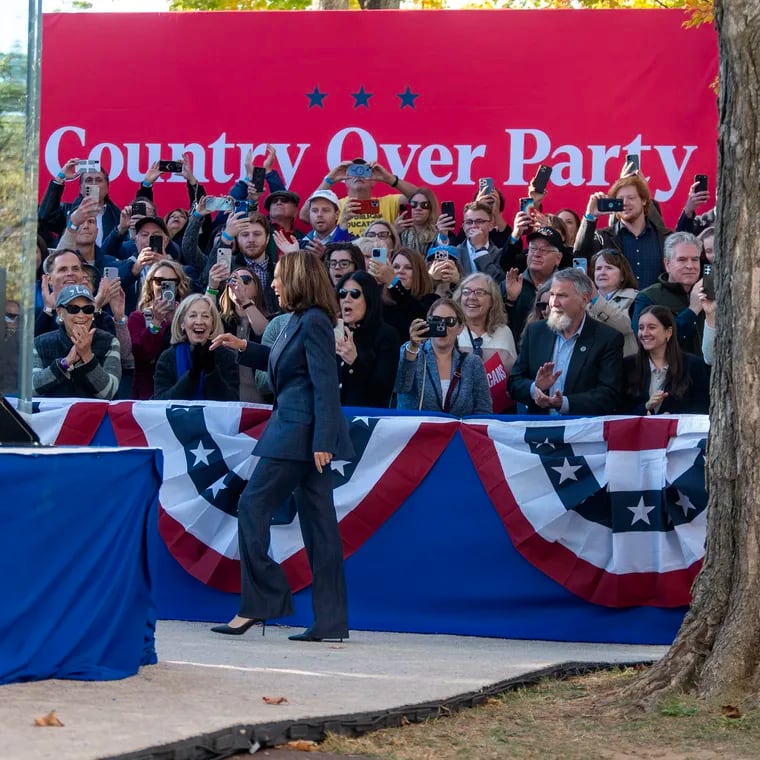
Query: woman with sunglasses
column 383, row 235
column 661, row 378
column 77, row 360
column 417, row 226
column 433, row 374
column 165, row 285
column 366, row 347
column 243, row 313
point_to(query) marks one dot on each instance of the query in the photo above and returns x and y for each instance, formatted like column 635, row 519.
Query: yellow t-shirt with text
column 388, row 209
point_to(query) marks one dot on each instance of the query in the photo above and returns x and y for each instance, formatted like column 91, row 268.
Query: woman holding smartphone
column 306, row 431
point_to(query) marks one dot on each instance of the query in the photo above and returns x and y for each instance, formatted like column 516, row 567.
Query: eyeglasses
column 477, row 292
column 542, row 305
column 246, row 279
column 355, row 293
column 162, row 280
column 384, row 235
column 340, row 264
column 536, row 249
column 72, row 308
column 420, row 204
column 476, row 222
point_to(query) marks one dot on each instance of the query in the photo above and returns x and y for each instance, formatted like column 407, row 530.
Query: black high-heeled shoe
column 308, row 635
column 240, row 629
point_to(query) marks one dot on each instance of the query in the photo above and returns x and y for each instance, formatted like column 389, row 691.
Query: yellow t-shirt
column 388, row 209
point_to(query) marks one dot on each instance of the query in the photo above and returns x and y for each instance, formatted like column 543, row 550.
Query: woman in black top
column 368, row 352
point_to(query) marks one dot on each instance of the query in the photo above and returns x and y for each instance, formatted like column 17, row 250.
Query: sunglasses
column 246, row 279
column 74, row 309
column 162, row 280
column 11, row 317
column 420, row 204
column 355, row 293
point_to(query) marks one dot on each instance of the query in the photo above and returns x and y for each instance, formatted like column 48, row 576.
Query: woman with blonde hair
column 165, row 285
column 188, row 369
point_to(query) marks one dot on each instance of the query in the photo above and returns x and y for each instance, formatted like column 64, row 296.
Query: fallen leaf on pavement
column 302, row 745
column 51, row 719
column 275, row 700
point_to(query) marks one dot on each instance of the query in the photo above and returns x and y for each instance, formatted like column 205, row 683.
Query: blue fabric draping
column 76, row 599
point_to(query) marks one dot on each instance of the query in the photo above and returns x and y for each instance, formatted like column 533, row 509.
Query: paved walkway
column 205, row 682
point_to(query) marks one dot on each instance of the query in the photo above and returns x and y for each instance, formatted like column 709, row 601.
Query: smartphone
column 217, row 203
column 88, row 165
column 364, row 171
column 609, row 205
column 441, row 256
column 224, row 256
column 541, row 180
column 156, row 243
column 369, row 206
column 259, row 173
column 241, row 207
column 581, row 264
column 447, row 207
column 112, row 273
column 526, row 204
column 173, row 167
column 701, row 180
column 436, row 327
column 633, row 158
column 169, row 291
column 92, row 191
column 340, row 330
column 380, row 255
column 485, row 185
column 139, row 208
column 708, row 281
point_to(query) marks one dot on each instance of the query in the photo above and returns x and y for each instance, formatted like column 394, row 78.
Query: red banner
column 441, row 98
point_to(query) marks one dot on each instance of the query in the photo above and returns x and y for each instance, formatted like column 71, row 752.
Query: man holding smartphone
column 327, row 224
column 638, row 230
column 478, row 253
column 360, row 183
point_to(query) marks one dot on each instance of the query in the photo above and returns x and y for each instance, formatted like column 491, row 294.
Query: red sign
column 441, row 98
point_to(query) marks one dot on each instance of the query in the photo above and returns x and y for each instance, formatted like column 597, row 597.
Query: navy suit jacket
column 594, row 381
column 304, row 376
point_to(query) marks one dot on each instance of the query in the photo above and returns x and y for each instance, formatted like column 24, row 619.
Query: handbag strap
column 453, row 384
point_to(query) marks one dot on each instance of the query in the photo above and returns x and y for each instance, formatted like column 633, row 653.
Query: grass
column 565, row 719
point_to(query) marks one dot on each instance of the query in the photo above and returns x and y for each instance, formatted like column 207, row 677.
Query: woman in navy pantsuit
column 307, row 429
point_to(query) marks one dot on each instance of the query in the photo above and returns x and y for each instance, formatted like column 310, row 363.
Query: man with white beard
column 569, row 363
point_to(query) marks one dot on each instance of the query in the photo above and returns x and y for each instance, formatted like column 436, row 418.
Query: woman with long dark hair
column 368, row 349
column 306, row 431
column 661, row 378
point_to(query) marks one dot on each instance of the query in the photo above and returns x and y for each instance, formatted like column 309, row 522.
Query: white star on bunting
column 200, row 454
column 339, row 464
column 567, row 471
column 640, row 512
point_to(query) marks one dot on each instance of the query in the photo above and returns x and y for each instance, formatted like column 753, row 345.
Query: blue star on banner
column 408, row 97
column 361, row 98
column 316, row 97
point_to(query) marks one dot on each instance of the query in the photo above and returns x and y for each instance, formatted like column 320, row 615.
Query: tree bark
column 717, row 650
column 379, row 5
column 333, row 5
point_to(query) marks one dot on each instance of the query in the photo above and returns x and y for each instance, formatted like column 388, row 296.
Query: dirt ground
column 565, row 719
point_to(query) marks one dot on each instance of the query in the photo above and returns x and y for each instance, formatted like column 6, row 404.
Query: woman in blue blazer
column 306, row 430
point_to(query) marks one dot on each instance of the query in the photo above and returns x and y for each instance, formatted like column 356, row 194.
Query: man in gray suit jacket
column 570, row 363
column 478, row 253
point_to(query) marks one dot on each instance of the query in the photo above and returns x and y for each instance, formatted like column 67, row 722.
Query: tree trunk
column 717, row 650
column 379, row 5
column 333, row 5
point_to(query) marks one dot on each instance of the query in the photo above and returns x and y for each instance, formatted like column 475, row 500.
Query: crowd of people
column 468, row 311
